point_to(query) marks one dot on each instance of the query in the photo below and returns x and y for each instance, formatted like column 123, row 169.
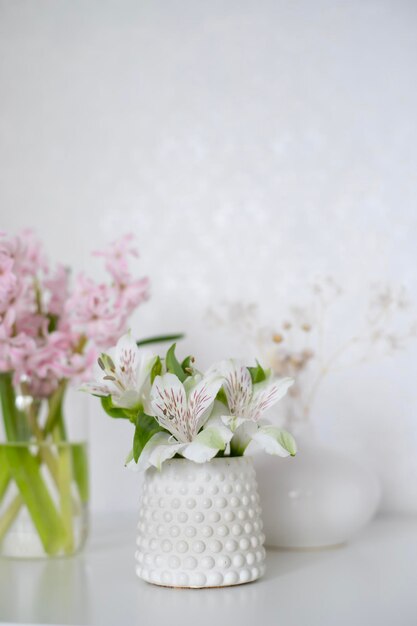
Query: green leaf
column 187, row 365
column 159, row 339
column 156, row 369
column 129, row 457
column 146, row 427
column 257, row 373
column 173, row 365
column 284, row 438
column 114, row 411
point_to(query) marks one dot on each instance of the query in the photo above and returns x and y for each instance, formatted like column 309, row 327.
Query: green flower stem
column 65, row 474
column 4, row 474
column 10, row 514
column 52, row 462
column 8, row 406
column 65, row 480
column 80, row 465
column 45, row 453
column 15, row 422
column 55, row 407
column 61, row 468
column 25, row 470
column 64, row 468
column 46, row 456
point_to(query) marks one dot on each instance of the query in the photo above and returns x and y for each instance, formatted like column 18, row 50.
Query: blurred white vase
column 319, row 498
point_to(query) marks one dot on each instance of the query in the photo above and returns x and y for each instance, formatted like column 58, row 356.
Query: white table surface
column 372, row 581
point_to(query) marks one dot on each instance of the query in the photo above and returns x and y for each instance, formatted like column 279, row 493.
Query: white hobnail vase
column 200, row 524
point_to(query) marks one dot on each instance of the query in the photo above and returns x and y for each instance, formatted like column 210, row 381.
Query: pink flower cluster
column 49, row 332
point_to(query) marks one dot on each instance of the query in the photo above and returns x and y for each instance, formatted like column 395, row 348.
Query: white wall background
column 248, row 145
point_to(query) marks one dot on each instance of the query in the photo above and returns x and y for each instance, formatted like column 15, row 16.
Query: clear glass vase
column 43, row 499
column 44, row 485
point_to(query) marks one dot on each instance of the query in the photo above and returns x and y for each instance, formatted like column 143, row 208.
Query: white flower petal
column 242, row 437
column 218, row 410
column 275, row 441
column 233, row 422
column 143, row 382
column 146, row 363
column 237, row 385
column 191, row 382
column 198, row 452
column 162, row 453
column 213, row 438
column 129, row 399
column 159, row 448
column 127, row 360
column 215, row 434
column 267, row 394
column 200, row 402
column 146, row 401
column 169, row 405
column 97, row 389
column 123, row 372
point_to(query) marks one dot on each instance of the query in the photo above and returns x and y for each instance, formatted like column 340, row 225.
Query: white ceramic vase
column 200, row 524
column 319, row 498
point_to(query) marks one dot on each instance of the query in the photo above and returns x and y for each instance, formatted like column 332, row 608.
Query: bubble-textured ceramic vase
column 200, row 524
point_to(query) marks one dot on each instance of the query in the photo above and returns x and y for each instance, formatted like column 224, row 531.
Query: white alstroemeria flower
column 183, row 409
column 247, row 402
column 123, row 373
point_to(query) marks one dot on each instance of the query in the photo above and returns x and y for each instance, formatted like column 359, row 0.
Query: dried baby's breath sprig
column 300, row 346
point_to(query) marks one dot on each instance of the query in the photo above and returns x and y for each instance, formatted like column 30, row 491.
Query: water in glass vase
column 43, row 498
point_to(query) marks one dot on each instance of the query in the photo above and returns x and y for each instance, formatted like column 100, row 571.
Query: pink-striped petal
column 267, row 395
column 169, row 404
column 200, row 403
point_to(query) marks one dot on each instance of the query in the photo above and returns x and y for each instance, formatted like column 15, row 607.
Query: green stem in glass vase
column 25, row 470
column 10, row 514
column 26, row 473
column 8, row 406
column 45, row 453
column 65, row 476
column 4, row 474
column 55, row 407
column 15, row 421
column 80, row 465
